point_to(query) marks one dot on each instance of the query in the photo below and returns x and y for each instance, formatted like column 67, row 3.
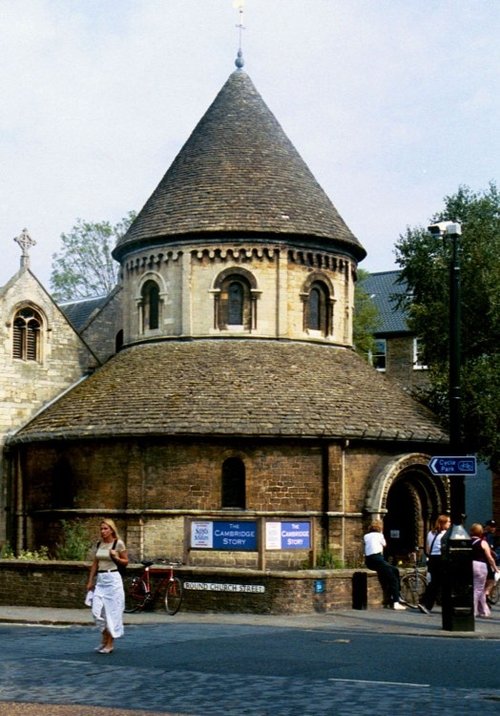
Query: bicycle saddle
column 147, row 563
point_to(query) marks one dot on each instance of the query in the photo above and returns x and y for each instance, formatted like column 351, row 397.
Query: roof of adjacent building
column 383, row 288
column 237, row 388
column 238, row 173
column 80, row 312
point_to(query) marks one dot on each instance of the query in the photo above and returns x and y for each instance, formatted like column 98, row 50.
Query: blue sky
column 392, row 103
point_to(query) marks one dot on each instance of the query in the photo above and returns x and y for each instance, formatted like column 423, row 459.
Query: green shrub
column 328, row 560
column 35, row 555
column 75, row 544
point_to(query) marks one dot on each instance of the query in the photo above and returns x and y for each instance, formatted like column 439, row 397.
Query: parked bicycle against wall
column 142, row 592
column 414, row 583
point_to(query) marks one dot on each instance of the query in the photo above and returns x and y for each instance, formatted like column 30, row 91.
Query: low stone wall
column 62, row 584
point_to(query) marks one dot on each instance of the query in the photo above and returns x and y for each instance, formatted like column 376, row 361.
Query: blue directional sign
column 445, row 465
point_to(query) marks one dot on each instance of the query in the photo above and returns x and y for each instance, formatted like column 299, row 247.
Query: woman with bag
column 482, row 558
column 434, row 564
column 108, row 600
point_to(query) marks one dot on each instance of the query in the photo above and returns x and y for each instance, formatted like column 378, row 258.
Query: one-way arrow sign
column 453, row 465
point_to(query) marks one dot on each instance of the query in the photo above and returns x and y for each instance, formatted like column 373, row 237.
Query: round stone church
column 235, row 402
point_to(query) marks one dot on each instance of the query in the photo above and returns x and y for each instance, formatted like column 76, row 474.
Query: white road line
column 381, row 683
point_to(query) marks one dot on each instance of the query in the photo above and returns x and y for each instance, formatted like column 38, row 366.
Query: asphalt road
column 194, row 667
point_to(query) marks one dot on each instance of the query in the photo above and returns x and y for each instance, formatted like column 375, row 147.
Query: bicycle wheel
column 173, row 596
column 135, row 594
column 412, row 589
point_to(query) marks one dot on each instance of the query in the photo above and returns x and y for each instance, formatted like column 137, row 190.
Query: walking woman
column 482, row 558
column 434, row 563
column 105, row 580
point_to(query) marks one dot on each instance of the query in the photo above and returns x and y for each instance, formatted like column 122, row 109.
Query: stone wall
column 62, row 585
column 187, row 276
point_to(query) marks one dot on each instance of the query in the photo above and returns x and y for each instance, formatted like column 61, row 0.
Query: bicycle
column 141, row 595
column 413, row 584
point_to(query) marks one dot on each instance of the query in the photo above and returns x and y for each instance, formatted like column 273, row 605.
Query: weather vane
column 25, row 242
column 239, row 4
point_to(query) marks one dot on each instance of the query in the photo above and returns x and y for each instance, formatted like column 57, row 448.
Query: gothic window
column 235, row 300
column 318, row 308
column 150, row 295
column 26, row 335
column 233, row 483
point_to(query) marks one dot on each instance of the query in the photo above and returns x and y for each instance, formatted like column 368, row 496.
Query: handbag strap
column 432, row 544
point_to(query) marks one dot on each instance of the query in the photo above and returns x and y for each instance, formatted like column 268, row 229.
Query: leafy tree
column 84, row 267
column 425, row 262
column 365, row 319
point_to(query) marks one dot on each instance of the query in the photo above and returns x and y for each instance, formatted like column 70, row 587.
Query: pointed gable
column 238, row 173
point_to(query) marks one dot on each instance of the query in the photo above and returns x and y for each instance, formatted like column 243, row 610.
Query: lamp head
column 441, row 228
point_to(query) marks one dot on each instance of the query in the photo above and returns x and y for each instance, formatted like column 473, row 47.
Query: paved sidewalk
column 384, row 621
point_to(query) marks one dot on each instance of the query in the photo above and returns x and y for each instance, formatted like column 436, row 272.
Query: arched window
column 233, row 483
column 150, row 295
column 119, row 340
column 318, row 308
column 235, row 301
column 63, row 488
column 26, row 335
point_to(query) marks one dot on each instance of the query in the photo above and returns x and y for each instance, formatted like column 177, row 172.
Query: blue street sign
column 453, row 465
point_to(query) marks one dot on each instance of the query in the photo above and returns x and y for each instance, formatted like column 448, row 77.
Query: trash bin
column 359, row 590
column 457, row 603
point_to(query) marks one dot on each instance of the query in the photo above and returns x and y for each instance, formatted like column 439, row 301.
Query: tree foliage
column 366, row 318
column 425, row 261
column 84, row 267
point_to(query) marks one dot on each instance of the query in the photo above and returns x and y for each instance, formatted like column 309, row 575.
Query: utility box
column 457, row 603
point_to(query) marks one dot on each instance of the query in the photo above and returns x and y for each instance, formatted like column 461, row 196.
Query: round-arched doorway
column 408, row 498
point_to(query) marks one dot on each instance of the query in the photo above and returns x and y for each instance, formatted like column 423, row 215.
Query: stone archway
column 408, row 498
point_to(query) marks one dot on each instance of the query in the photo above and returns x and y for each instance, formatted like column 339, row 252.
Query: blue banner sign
column 224, row 535
column 444, row 465
column 288, row 535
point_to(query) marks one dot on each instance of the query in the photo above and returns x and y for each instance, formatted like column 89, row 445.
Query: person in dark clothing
column 374, row 544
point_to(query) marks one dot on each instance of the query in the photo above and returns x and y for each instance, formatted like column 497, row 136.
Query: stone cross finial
column 25, row 242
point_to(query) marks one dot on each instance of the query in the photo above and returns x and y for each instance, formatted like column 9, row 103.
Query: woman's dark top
column 478, row 553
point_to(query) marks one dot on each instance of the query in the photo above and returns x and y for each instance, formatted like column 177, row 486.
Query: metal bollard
column 457, row 602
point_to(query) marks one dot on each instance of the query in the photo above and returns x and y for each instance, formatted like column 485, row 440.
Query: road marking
column 381, row 683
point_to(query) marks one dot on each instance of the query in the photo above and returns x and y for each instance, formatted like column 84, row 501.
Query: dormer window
column 26, row 335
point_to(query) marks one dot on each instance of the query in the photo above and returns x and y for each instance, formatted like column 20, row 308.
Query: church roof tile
column 240, row 387
column 238, row 173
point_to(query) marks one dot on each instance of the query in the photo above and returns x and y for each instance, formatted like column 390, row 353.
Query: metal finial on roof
column 25, row 242
column 239, row 61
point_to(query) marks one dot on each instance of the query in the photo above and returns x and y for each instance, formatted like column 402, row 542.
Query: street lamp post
column 452, row 231
column 457, row 497
column 456, row 552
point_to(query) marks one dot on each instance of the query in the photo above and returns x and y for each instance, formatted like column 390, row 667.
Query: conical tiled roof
column 238, row 173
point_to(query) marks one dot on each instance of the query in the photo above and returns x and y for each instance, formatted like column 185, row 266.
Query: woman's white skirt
column 109, row 602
